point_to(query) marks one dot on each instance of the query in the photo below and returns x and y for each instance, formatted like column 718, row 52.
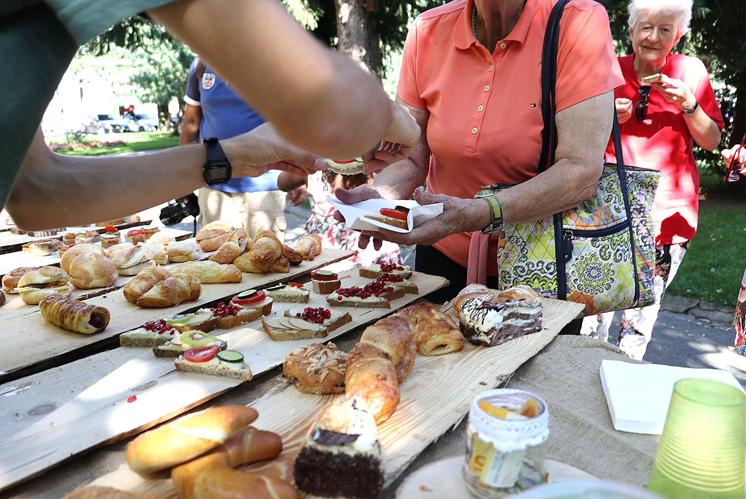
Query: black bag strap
column 549, row 143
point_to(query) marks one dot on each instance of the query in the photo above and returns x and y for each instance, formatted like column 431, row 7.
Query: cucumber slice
column 230, row 356
column 276, row 287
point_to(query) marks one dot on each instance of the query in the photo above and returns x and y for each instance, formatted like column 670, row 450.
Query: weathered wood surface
column 29, row 339
column 53, row 415
column 434, row 398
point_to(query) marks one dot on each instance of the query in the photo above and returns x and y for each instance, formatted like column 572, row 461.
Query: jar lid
column 509, row 434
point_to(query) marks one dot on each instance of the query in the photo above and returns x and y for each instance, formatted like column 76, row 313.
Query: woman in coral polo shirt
column 471, row 76
column 665, row 106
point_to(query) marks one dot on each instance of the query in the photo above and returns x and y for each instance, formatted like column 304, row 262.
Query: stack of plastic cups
column 701, row 452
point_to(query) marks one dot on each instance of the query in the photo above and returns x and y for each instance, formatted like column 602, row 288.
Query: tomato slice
column 295, row 284
column 324, row 275
column 110, row 229
column 201, row 354
column 392, row 213
column 249, row 297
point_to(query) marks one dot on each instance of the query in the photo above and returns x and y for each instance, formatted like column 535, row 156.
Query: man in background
column 213, row 109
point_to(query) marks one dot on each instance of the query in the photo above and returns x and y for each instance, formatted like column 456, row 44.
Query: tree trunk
column 358, row 37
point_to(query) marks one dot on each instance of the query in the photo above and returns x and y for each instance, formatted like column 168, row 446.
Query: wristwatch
column 496, row 212
column 690, row 110
column 217, row 169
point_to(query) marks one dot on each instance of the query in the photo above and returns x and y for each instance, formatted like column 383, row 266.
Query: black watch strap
column 217, row 169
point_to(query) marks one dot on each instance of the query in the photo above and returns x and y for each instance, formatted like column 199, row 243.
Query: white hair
column 682, row 9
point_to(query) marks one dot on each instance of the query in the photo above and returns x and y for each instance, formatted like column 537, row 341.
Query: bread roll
column 229, row 251
column 186, row 438
column 77, row 250
column 309, row 245
column 171, row 292
column 143, row 282
column 92, row 270
column 10, row 280
column 435, row 333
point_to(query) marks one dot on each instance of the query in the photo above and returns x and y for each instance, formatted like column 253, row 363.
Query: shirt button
column 492, row 66
column 502, row 45
column 474, row 130
column 486, row 88
column 480, row 108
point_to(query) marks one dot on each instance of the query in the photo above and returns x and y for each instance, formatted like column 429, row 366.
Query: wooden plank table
column 88, row 401
column 32, row 343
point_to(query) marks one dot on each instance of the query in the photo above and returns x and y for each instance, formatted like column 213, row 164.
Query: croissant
column 182, row 251
column 370, row 374
column 143, row 282
column 92, row 270
column 212, row 235
column 435, row 333
column 292, row 255
column 309, row 245
column 263, row 255
column 77, row 250
column 73, row 315
column 171, row 291
column 120, row 253
column 155, row 252
column 393, row 335
column 282, row 264
column 229, row 251
column 208, row 272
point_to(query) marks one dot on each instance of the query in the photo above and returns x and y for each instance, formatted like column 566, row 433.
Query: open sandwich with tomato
column 288, row 292
column 213, row 361
column 186, row 341
column 254, row 299
column 396, row 216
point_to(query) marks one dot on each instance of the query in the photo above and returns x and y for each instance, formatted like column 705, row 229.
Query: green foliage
column 92, row 145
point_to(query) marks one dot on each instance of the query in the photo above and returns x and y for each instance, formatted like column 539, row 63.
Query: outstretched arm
column 52, row 190
column 317, row 99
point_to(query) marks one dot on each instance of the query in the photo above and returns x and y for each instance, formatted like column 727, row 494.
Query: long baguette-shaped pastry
column 370, row 375
column 186, row 438
column 393, row 335
column 435, row 333
column 208, row 272
column 245, row 446
column 73, row 315
column 171, row 291
column 144, row 282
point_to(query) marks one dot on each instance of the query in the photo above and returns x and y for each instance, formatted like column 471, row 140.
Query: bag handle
column 730, row 174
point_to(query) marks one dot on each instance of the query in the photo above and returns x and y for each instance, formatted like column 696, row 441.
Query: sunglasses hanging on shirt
column 641, row 108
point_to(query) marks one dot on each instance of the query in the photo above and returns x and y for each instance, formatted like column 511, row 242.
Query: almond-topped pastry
column 316, row 368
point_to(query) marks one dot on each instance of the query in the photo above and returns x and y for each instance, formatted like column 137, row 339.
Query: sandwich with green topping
column 213, row 361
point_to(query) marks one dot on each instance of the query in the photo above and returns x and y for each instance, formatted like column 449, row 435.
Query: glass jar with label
column 505, row 438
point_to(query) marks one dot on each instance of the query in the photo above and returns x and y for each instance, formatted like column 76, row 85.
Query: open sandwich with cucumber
column 214, row 361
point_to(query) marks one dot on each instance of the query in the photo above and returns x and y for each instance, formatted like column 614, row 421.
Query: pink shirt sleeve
column 586, row 63
column 407, row 89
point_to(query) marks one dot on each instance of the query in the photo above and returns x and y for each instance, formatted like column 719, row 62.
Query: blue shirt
column 225, row 115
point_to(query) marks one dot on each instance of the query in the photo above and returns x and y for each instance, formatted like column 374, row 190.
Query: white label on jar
column 504, row 469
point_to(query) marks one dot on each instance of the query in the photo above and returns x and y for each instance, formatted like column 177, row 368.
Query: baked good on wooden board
column 10, row 280
column 373, row 271
column 35, row 285
column 309, row 246
column 68, row 256
column 208, row 272
column 341, row 457
column 254, row 299
column 187, row 340
column 170, row 292
column 330, row 319
column 317, row 368
column 182, row 251
column 186, row 438
column 292, row 328
column 229, row 316
column 73, row 315
column 435, row 333
column 150, row 334
column 143, row 282
column 92, row 270
column 489, row 319
column 397, row 281
column 290, row 292
column 213, row 235
column 325, row 281
column 213, row 361
column 372, row 295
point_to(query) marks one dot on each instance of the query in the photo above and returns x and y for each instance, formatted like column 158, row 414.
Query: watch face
column 219, row 173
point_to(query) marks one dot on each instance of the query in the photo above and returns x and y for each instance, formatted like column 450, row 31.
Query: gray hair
column 682, row 9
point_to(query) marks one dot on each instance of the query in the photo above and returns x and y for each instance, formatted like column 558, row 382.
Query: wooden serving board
column 434, row 399
column 85, row 403
column 29, row 339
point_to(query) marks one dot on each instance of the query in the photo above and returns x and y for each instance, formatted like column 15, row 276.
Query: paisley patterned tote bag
column 601, row 253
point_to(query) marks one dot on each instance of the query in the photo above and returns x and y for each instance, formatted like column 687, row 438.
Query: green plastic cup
column 701, row 452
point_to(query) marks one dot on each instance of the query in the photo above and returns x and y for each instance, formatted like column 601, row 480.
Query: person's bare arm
column 583, row 133
column 286, row 182
column 317, row 99
column 190, row 124
column 52, row 190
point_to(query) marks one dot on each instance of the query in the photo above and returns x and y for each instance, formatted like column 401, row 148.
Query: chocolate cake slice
column 515, row 312
column 341, row 456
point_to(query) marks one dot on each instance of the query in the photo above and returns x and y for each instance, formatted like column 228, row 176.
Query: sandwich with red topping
column 304, row 324
column 150, row 334
column 229, row 315
column 374, row 295
column 213, row 361
column 325, row 281
column 253, row 299
column 330, row 319
column 375, row 270
column 397, row 281
column 392, row 216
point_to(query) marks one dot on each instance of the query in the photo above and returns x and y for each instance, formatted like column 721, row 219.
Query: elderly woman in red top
column 665, row 106
column 471, row 76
